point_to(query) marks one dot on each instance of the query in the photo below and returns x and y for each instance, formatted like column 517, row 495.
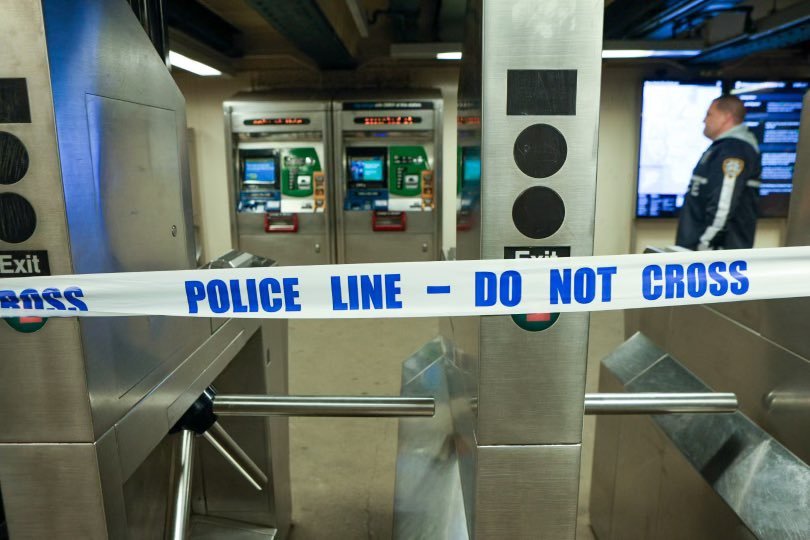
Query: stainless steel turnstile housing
column 85, row 450
column 380, row 120
column 296, row 230
column 516, row 385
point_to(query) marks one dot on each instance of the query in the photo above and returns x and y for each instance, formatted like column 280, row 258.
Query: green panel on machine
column 405, row 166
column 298, row 166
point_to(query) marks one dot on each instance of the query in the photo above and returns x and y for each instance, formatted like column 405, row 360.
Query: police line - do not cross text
column 456, row 288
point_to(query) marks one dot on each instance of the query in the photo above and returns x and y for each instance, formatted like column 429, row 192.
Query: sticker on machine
column 24, row 264
column 536, row 322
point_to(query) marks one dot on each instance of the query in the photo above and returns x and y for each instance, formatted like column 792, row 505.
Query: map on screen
column 672, row 142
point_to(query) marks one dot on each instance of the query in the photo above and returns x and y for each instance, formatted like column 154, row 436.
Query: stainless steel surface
column 183, row 467
column 57, row 408
column 260, row 367
column 208, row 528
column 527, row 492
column 728, row 355
column 691, row 476
column 354, row 239
column 231, row 451
column 517, row 396
column 362, row 245
column 121, row 130
column 52, row 491
column 367, row 406
column 428, row 498
column 533, row 382
column 85, row 454
column 660, row 403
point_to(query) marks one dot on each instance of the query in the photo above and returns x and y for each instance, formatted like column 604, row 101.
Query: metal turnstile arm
column 661, row 403
column 331, row 406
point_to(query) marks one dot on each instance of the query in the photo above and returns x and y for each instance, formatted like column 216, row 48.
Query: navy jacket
column 720, row 208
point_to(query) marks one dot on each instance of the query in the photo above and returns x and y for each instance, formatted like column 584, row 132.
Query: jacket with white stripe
column 720, row 208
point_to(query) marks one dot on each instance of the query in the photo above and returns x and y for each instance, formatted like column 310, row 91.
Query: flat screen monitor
column 366, row 167
column 260, row 170
column 773, row 112
column 470, row 166
column 672, row 142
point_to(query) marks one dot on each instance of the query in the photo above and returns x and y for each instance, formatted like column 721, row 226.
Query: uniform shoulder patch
column 733, row 167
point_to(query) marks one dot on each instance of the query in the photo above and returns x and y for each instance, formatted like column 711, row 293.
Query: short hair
column 733, row 106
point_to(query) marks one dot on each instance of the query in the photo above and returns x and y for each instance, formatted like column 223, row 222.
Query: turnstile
column 516, row 385
column 94, row 178
column 387, row 153
column 279, row 176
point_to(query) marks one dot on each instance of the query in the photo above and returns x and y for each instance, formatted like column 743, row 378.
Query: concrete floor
column 343, row 469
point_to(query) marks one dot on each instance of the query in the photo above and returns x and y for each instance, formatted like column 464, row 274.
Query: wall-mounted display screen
column 773, row 112
column 366, row 167
column 672, row 142
column 260, row 170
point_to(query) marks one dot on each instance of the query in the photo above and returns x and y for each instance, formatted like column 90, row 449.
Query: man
column 720, row 210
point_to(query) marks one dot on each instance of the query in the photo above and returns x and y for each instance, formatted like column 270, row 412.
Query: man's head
column 724, row 113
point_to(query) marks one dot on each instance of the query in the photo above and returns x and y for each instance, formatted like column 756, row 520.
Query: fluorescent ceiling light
column 427, row 51
column 186, row 63
column 649, row 53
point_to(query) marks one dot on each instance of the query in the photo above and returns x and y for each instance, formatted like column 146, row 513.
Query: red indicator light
column 30, row 320
column 538, row 317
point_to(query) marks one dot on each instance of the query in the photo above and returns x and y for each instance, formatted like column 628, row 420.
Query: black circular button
column 17, row 218
column 540, row 150
column 538, row 212
column 13, row 158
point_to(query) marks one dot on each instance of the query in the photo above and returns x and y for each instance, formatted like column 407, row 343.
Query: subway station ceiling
column 347, row 34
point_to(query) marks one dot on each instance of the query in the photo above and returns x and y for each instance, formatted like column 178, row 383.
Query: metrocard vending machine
column 387, row 154
column 279, row 181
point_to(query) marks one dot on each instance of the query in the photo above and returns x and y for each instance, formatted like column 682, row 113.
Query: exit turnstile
column 94, row 178
column 279, row 179
column 387, row 152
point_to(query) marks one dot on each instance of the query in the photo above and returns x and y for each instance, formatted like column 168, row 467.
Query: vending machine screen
column 366, row 167
column 471, row 170
column 260, row 170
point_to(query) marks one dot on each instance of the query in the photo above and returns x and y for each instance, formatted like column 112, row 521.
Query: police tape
column 421, row 289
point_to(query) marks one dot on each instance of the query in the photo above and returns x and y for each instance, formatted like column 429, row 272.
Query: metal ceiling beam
column 639, row 19
column 198, row 22
column 304, row 25
column 785, row 28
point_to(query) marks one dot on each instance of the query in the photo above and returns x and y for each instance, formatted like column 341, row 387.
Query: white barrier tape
column 426, row 289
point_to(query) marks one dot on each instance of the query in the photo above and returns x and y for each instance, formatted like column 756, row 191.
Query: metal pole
column 660, row 403
column 181, row 485
column 364, row 406
column 237, row 457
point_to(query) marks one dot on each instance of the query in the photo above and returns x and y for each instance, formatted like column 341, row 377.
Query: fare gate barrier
column 101, row 392
column 201, row 419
